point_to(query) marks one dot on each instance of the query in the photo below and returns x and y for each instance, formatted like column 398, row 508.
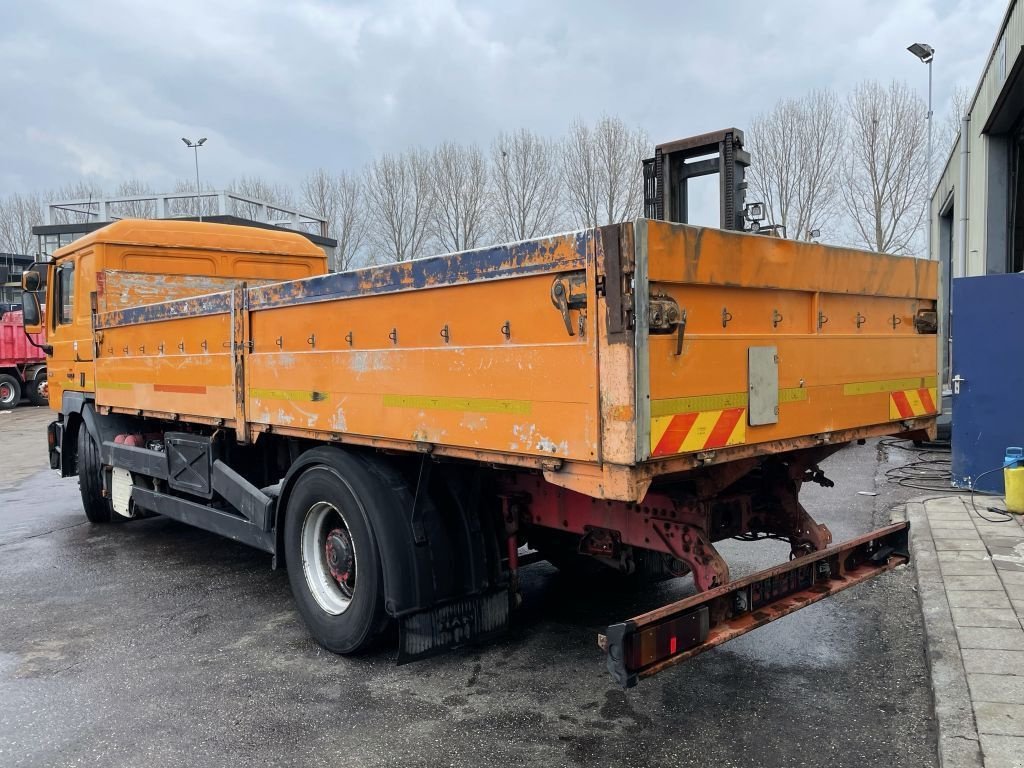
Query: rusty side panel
column 117, row 289
column 840, row 321
column 463, row 351
column 466, row 351
column 182, row 365
column 615, row 346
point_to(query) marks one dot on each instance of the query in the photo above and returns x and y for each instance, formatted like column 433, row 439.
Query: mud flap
column 464, row 621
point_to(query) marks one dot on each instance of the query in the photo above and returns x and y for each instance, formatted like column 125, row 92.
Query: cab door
column 70, row 325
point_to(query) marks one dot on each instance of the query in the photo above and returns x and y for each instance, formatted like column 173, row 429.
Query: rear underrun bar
column 648, row 643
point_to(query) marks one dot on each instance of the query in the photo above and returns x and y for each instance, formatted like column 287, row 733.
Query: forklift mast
column 667, row 175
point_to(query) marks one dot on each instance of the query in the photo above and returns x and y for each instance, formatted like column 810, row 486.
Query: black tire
column 10, row 392
column 90, row 482
column 37, row 390
column 343, row 489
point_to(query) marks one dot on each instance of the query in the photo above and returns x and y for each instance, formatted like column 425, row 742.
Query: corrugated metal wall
column 1005, row 52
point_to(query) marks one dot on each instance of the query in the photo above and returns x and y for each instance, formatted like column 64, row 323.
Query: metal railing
column 182, row 205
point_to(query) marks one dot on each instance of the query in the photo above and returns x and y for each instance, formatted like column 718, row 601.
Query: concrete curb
column 959, row 745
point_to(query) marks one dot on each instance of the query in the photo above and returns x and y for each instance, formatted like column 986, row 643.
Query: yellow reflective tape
column 739, row 432
column 472, row 404
column 792, row 394
column 658, row 426
column 889, row 385
column 674, row 405
column 697, row 403
column 297, row 395
column 114, row 385
column 915, row 402
column 698, row 434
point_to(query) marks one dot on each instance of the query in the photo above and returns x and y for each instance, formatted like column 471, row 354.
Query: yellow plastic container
column 1014, row 479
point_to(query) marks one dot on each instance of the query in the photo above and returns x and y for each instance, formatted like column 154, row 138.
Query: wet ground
column 150, row 643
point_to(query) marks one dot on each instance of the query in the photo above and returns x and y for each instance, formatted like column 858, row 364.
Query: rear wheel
column 90, row 480
column 10, row 392
column 38, row 390
column 334, row 567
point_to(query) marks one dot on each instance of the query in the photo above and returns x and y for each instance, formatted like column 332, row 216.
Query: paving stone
column 985, row 617
column 995, row 638
column 1003, row 751
column 960, row 545
column 990, row 582
column 966, row 598
column 946, row 504
column 1003, row 541
column 950, row 525
column 1012, row 577
column 993, row 662
column 1015, row 591
column 949, row 555
column 998, row 718
column 969, row 568
column 1008, row 689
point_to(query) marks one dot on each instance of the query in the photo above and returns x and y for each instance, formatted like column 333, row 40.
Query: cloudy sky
column 104, row 89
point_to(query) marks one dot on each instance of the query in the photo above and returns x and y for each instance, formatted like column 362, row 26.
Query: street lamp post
column 926, row 54
column 195, row 145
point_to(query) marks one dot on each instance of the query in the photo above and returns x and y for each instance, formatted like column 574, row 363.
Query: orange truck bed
column 605, row 358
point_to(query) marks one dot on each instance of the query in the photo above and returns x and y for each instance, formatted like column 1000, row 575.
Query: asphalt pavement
column 151, row 643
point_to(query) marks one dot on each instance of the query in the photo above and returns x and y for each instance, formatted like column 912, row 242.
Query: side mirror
column 31, row 312
column 30, row 281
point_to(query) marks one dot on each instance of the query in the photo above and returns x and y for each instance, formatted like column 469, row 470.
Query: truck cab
column 112, row 268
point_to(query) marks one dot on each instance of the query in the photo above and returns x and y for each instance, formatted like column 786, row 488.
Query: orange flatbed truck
column 617, row 398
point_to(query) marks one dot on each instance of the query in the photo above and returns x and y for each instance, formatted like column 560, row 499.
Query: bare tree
column 18, row 214
column 400, row 197
column 459, row 175
column 949, row 128
column 339, row 200
column 258, row 188
column 603, row 171
column 796, row 152
column 84, row 192
column 134, row 209
column 579, row 169
column 885, row 174
column 526, row 174
column 189, row 205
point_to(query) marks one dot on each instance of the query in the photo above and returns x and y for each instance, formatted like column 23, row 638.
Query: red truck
column 22, row 364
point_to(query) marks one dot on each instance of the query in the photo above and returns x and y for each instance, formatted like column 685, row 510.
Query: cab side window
column 65, row 297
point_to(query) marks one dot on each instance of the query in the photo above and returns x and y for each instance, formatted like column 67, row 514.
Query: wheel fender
column 78, row 411
column 409, row 580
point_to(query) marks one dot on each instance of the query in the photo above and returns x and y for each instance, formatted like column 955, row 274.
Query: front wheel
column 333, row 565
column 90, row 480
column 38, row 390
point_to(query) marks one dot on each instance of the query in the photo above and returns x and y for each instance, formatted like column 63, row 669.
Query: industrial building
column 977, row 207
column 976, row 217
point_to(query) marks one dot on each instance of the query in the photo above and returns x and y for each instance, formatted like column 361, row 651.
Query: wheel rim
column 328, row 558
column 6, row 393
column 43, row 389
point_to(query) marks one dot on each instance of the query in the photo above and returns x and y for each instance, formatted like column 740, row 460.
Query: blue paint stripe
column 494, row 263
column 193, row 306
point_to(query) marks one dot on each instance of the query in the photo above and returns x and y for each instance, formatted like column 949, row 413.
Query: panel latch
column 665, row 316
column 569, row 292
